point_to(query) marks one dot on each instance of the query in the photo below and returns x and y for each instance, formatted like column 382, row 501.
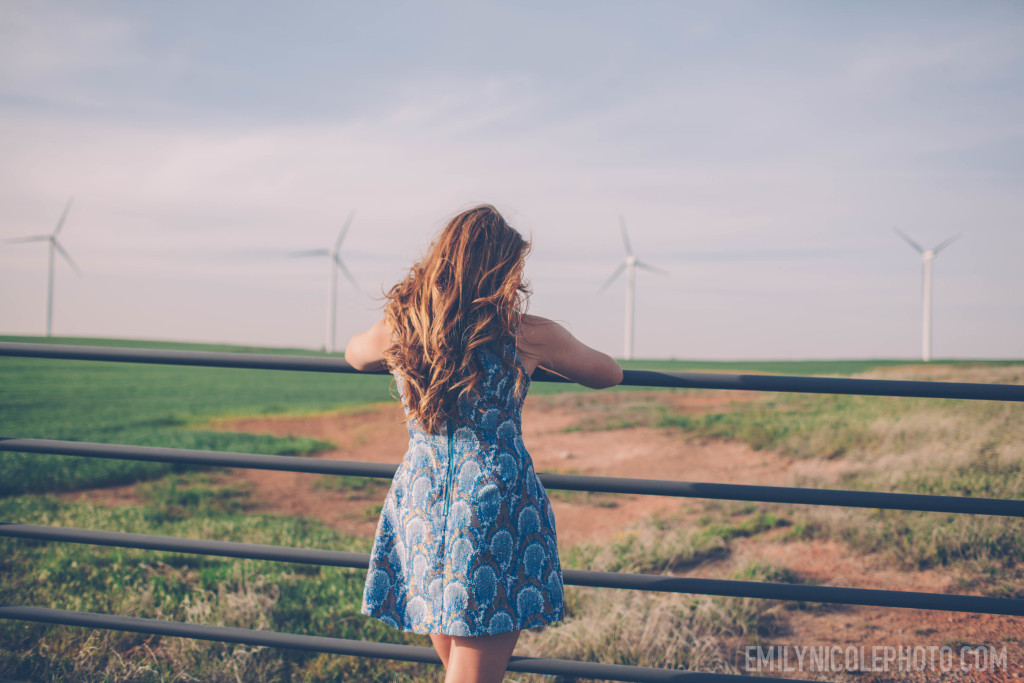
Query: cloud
column 902, row 59
column 46, row 49
column 763, row 161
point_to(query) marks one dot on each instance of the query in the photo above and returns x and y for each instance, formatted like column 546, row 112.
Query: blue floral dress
column 466, row 541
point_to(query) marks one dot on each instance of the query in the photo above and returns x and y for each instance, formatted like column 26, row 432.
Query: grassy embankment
column 928, row 446
column 156, row 405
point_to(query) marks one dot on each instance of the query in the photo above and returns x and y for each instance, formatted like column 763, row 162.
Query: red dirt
column 377, row 434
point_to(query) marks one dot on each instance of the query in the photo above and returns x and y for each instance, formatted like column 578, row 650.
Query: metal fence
column 643, row 582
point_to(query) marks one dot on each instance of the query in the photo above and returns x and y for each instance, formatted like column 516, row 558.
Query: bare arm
column 365, row 351
column 547, row 344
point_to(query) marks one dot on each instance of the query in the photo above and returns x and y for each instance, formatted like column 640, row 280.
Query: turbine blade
column 309, row 252
column 344, row 231
column 67, row 257
column 345, row 270
column 21, row 240
column 909, row 241
column 946, row 243
column 63, row 217
column 622, row 267
column 641, row 264
column 625, row 237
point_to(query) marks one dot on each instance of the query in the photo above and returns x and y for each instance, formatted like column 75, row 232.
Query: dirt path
column 377, row 434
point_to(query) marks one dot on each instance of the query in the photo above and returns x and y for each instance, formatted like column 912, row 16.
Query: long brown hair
column 466, row 292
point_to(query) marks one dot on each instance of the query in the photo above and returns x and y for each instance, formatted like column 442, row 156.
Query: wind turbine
column 629, row 264
column 335, row 265
column 54, row 247
column 927, row 256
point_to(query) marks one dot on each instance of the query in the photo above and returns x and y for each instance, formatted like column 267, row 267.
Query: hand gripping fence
column 643, row 582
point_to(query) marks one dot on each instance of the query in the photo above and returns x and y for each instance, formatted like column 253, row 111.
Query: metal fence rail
column 362, row 648
column 644, row 378
column 574, row 577
column 570, row 482
column 776, row 591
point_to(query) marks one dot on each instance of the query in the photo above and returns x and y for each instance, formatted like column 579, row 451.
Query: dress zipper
column 450, row 475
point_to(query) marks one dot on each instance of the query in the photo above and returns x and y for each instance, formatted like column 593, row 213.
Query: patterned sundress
column 466, row 541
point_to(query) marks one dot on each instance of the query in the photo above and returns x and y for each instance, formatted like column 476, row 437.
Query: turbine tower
column 629, row 264
column 927, row 256
column 335, row 264
column 54, row 247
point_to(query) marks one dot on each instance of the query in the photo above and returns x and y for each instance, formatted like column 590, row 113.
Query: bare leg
column 480, row 659
column 443, row 645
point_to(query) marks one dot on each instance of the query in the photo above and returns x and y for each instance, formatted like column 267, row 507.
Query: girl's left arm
column 365, row 351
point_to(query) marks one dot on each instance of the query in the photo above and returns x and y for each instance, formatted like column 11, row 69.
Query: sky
column 761, row 154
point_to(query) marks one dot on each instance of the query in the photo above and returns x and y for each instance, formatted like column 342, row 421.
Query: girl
column 465, row 549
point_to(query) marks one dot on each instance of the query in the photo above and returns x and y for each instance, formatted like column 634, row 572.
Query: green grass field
column 151, row 405
column 949, row 447
column 162, row 405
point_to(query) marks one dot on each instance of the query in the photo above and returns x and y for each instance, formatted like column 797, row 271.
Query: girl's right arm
column 544, row 343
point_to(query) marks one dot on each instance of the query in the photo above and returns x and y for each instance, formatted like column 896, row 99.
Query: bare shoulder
column 382, row 332
column 531, row 338
column 539, row 337
column 535, row 330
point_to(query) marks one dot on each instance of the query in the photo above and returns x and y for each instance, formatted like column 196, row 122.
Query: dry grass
column 660, row 545
column 947, row 447
column 930, row 446
column 939, row 447
column 661, row 630
column 244, row 601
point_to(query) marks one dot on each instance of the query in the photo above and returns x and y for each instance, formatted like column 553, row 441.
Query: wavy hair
column 467, row 291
